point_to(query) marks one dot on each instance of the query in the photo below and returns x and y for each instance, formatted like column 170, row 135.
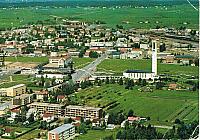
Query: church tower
column 155, row 44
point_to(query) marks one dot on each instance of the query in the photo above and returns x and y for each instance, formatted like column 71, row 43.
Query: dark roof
column 115, row 53
column 137, row 71
column 184, row 56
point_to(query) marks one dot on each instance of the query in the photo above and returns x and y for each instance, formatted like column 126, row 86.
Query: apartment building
column 23, row 99
column 13, row 91
column 82, row 111
column 56, row 109
column 64, row 132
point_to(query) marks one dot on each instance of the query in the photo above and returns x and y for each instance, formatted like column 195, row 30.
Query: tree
column 107, row 80
column 130, row 113
column 31, row 118
column 144, row 82
column 93, row 54
column 42, row 80
column 162, row 47
column 120, row 81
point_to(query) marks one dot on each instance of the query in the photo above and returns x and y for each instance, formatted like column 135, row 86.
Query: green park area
column 162, row 106
column 81, row 62
column 30, row 82
column 129, row 17
column 118, row 66
column 27, row 59
column 97, row 134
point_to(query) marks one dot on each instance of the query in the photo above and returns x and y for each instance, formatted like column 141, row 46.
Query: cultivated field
column 150, row 17
column 162, row 106
column 117, row 66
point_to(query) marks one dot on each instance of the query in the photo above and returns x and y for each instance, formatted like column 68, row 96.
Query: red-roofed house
column 60, row 98
column 48, row 117
column 7, row 132
column 133, row 119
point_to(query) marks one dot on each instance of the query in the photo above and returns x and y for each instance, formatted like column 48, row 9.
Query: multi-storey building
column 23, row 99
column 64, row 132
column 56, row 109
column 13, row 91
column 85, row 112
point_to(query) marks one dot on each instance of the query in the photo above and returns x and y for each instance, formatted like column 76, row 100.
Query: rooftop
column 61, row 128
column 17, row 86
column 137, row 71
column 184, row 56
column 46, row 104
column 83, row 107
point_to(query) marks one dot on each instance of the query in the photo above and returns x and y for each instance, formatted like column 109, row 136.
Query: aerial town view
column 99, row 69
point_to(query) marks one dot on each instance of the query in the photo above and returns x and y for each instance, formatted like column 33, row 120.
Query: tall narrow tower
column 155, row 44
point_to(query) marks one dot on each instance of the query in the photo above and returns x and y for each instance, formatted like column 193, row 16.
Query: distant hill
column 22, row 3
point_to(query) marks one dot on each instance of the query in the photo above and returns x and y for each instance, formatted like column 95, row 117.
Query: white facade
column 140, row 74
column 154, row 56
column 135, row 74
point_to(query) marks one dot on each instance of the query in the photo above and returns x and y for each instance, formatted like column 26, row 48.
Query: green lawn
column 81, row 62
column 162, row 106
column 97, row 134
column 27, row 59
column 173, row 16
column 119, row 65
column 19, row 79
column 31, row 135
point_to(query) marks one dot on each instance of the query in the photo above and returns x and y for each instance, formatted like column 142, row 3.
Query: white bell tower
column 155, row 44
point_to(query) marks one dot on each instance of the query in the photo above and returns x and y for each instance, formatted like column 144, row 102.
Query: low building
column 42, row 95
column 84, row 112
column 139, row 74
column 14, row 90
column 60, row 98
column 56, row 109
column 184, row 59
column 64, row 132
column 60, row 61
column 48, row 117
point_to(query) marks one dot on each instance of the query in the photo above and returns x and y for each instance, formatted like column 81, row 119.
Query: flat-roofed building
column 56, row 109
column 82, row 111
column 23, row 99
column 14, row 90
column 63, row 132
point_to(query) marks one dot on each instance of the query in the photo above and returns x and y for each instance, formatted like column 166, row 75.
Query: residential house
column 48, row 117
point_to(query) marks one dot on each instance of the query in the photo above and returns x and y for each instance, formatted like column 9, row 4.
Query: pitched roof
column 47, row 115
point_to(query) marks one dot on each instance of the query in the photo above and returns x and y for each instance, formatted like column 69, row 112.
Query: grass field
column 27, row 59
column 97, row 134
column 161, row 105
column 120, row 65
column 81, row 62
column 173, row 16
column 18, row 79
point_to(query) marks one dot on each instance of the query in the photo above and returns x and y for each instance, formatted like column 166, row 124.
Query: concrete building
column 142, row 74
column 56, row 109
column 23, row 99
column 64, row 132
column 154, row 56
column 85, row 112
column 13, row 91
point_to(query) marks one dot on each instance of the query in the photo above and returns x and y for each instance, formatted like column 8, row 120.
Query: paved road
column 87, row 70
column 7, row 72
column 84, row 72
